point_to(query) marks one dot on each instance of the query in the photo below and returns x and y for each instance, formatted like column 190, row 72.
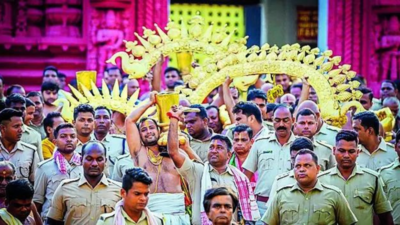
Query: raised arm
column 173, row 139
column 157, row 72
column 229, row 102
column 305, row 91
column 132, row 132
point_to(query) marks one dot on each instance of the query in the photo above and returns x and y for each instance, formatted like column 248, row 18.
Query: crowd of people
column 273, row 163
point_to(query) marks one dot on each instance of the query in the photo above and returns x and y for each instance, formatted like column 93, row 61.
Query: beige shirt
column 325, row 155
column 39, row 129
column 32, row 137
column 327, row 134
column 201, row 147
column 76, row 202
column 108, row 219
column 79, row 145
column 384, row 155
column 390, row 175
column 363, row 190
column 116, row 145
column 24, row 157
column 47, row 178
column 269, row 158
column 122, row 163
column 325, row 204
column 192, row 171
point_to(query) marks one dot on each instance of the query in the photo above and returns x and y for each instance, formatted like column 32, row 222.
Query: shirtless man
column 166, row 196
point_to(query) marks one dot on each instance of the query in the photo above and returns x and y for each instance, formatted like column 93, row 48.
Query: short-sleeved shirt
column 265, row 131
column 325, row 156
column 269, row 158
column 325, row 204
column 192, row 171
column 24, row 157
column 281, row 181
column 47, row 178
column 39, row 129
column 122, row 163
column 390, row 175
column 79, row 145
column 116, row 145
column 327, row 133
column 384, row 155
column 32, row 137
column 201, row 146
column 76, row 202
column 363, row 190
column 108, row 219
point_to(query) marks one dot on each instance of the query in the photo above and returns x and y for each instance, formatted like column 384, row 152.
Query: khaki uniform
column 327, row 134
column 47, row 178
column 325, row 204
column 116, row 145
column 76, row 202
column 269, row 125
column 39, row 129
column 108, row 219
column 201, row 147
column 265, row 132
column 281, row 181
column 79, row 145
column 363, row 190
column 390, row 175
column 376, row 104
column 25, row 158
column 32, row 137
column 269, row 158
column 192, row 171
column 122, row 163
column 384, row 155
column 325, row 156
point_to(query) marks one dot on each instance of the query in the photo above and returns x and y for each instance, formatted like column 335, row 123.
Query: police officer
column 362, row 187
column 308, row 201
column 122, row 163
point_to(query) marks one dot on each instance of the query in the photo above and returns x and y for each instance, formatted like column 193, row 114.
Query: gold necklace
column 154, row 159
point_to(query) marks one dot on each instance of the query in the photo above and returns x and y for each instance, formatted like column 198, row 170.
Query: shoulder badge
column 385, row 167
column 284, row 187
column 390, row 144
column 44, row 162
column 123, row 156
column 105, row 216
column 369, row 171
column 27, row 145
column 280, row 176
column 119, row 184
column 331, row 187
column 323, row 143
column 333, row 128
column 118, row 136
column 68, row 181
column 324, row 173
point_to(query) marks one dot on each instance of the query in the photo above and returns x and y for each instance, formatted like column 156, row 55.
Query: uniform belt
column 262, row 198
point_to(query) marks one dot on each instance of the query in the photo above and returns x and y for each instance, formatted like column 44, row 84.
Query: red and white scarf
column 247, row 199
column 63, row 165
column 119, row 218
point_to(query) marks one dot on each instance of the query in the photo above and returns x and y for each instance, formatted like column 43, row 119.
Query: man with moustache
column 7, row 174
column 38, row 116
column 220, row 204
column 309, row 201
column 83, row 199
column 166, row 194
column 388, row 89
column 84, row 125
column 22, row 155
column 65, row 164
column 49, row 92
column 271, row 155
column 50, row 124
column 361, row 186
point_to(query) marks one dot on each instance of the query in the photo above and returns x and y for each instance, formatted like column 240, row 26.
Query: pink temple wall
column 72, row 35
column 366, row 33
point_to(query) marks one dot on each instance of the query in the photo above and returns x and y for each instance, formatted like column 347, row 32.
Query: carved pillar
column 21, row 23
column 63, row 18
column 5, row 18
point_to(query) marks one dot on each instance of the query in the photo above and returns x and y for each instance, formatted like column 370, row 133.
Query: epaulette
column 105, row 216
column 323, row 143
column 369, row 171
column 322, row 173
column 330, row 127
column 331, row 187
column 30, row 146
column 44, row 162
column 280, row 176
column 284, row 187
column 197, row 161
column 386, row 167
column 67, row 181
column 265, row 137
column 118, row 136
column 119, row 184
column 390, row 144
column 123, row 156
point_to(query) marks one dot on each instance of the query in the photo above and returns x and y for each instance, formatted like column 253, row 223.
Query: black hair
column 368, row 119
column 305, row 152
column 114, row 68
column 297, row 85
column 49, row 121
column 202, row 114
column 102, row 107
column 82, row 108
column 169, row 69
column 2, row 105
column 347, row 135
column 7, row 113
column 19, row 189
column 11, row 88
column 83, row 152
column 223, row 138
column 49, row 86
column 62, row 126
column 61, row 75
column 390, row 82
column 306, row 112
column 135, row 175
column 368, row 91
column 142, row 120
column 270, row 107
column 212, row 107
column 53, row 68
column 256, row 93
column 213, row 192
column 301, row 143
column 15, row 98
column 35, row 94
column 242, row 128
column 248, row 109
column 29, row 102
column 397, row 136
column 278, row 106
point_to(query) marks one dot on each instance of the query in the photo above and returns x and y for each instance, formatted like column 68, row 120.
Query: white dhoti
column 171, row 206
